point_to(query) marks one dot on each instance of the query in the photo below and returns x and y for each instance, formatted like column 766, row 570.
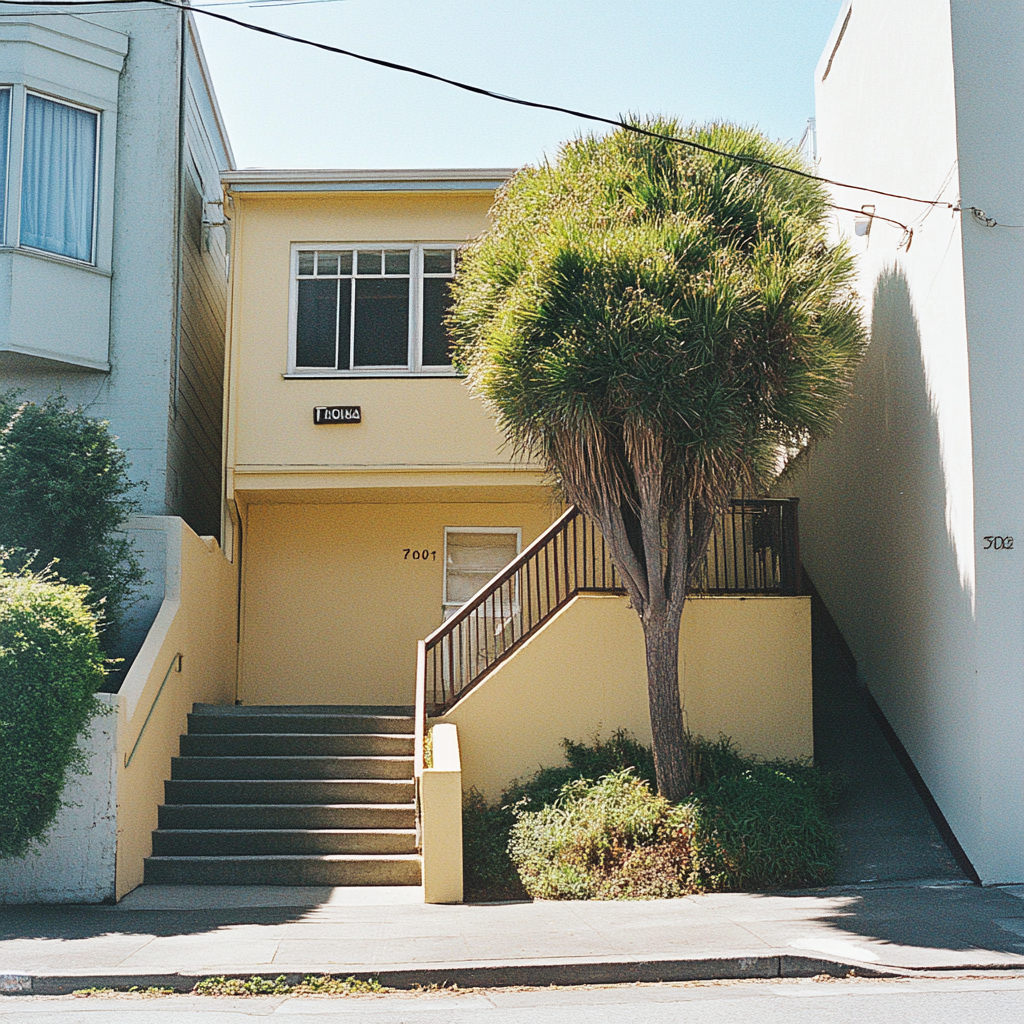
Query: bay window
column 371, row 309
column 52, row 206
column 58, row 178
column 59, row 85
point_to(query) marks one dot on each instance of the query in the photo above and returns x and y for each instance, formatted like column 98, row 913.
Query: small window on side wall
column 473, row 556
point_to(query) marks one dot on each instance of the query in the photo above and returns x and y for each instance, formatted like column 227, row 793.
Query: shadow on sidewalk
column 83, row 921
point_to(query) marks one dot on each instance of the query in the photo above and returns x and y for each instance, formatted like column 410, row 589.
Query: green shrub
column 566, row 849
column 563, row 835
column 51, row 666
column 64, row 493
column 486, row 827
column 770, row 825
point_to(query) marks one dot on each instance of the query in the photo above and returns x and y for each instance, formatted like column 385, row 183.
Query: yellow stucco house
column 368, row 496
column 397, row 611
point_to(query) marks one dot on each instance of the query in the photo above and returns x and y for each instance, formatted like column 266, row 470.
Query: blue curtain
column 58, row 182
column 5, row 122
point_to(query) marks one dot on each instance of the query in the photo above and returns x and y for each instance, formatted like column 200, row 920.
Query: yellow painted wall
column 744, row 667
column 440, row 798
column 406, row 421
column 332, row 608
column 197, row 620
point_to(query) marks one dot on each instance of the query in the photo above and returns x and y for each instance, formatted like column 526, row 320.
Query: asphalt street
column 991, row 1000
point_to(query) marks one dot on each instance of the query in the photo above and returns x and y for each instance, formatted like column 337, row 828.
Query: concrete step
column 248, row 842
column 323, row 710
column 287, row 816
column 248, row 720
column 297, row 744
column 291, row 768
column 288, row 791
column 322, row 869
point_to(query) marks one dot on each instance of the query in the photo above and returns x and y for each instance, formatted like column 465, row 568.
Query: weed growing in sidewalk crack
column 311, row 985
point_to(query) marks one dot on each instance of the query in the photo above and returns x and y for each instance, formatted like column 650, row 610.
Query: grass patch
column 594, row 828
column 311, row 985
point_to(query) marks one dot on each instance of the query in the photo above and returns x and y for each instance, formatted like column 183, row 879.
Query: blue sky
column 750, row 61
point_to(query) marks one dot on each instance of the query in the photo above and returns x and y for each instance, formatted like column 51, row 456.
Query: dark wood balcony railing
column 754, row 550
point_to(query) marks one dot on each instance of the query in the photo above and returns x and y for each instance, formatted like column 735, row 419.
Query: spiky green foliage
column 660, row 327
column 51, row 666
column 64, row 494
column 639, row 307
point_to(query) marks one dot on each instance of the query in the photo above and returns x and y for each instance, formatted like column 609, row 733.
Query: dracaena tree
column 661, row 327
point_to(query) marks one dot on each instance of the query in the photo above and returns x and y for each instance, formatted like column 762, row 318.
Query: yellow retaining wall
column 332, row 608
column 440, row 799
column 197, row 622
column 744, row 669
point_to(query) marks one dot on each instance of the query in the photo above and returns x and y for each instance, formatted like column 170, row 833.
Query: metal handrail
column 754, row 549
column 504, row 576
column 174, row 665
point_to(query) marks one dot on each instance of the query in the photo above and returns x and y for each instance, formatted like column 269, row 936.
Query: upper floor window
column 59, row 147
column 365, row 308
column 5, row 131
column 58, row 181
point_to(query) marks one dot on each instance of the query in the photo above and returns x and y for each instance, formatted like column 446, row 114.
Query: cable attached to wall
column 983, row 218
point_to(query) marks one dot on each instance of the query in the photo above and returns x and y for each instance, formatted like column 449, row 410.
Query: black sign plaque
column 323, row 414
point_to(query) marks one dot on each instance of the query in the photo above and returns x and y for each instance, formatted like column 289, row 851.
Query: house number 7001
column 420, row 555
column 998, row 544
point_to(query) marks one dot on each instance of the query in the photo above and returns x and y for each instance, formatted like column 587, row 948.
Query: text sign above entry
column 323, row 414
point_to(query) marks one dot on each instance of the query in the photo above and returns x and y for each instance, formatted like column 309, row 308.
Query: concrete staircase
column 293, row 795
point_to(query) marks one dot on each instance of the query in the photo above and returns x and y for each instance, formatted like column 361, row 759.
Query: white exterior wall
column 927, row 460
column 75, row 863
column 136, row 394
column 988, row 58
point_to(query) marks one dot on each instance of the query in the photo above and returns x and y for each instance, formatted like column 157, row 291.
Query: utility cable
column 990, row 222
column 979, row 215
column 480, row 91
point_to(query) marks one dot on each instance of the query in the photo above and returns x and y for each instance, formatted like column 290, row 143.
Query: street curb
column 539, row 975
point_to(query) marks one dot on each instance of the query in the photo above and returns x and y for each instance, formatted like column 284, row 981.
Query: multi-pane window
column 473, row 556
column 59, row 150
column 371, row 308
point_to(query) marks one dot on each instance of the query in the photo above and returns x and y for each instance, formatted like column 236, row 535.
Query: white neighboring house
column 913, row 513
column 113, row 287
column 113, row 251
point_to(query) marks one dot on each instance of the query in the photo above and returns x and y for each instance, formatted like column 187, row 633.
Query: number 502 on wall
column 995, row 543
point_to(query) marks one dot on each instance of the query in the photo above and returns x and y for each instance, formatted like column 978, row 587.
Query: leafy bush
column 564, row 834
column 486, row 827
column 50, row 668
column 64, row 493
column 770, row 825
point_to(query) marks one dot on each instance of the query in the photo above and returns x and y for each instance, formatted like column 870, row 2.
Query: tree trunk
column 671, row 753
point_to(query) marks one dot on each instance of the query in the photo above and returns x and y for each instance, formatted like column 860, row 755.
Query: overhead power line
column 533, row 104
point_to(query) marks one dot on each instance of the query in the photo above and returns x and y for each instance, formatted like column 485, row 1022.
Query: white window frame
column 9, row 89
column 23, row 95
column 414, row 364
column 448, row 530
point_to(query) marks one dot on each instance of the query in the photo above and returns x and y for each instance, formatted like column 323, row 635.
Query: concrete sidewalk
column 176, row 935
